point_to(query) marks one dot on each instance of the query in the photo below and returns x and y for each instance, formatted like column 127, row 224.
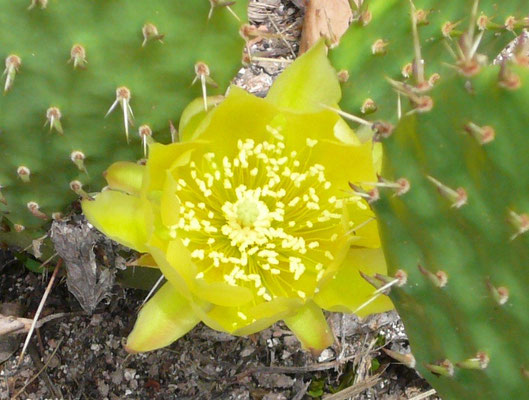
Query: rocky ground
column 80, row 356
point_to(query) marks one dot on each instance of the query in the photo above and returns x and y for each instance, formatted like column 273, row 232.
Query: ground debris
column 9, row 343
column 274, row 380
column 76, row 242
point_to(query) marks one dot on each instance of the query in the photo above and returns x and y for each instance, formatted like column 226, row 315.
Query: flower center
column 248, row 210
column 248, row 220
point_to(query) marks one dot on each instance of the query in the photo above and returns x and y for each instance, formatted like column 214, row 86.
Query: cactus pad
column 68, row 63
column 379, row 45
column 452, row 201
column 460, row 235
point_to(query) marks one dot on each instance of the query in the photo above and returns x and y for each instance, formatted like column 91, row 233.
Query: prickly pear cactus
column 459, row 235
column 452, row 205
column 68, row 63
column 379, row 45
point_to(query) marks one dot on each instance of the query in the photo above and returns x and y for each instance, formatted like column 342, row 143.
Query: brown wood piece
column 324, row 18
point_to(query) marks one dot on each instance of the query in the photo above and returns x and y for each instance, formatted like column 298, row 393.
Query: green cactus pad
column 74, row 55
column 386, row 25
column 460, row 234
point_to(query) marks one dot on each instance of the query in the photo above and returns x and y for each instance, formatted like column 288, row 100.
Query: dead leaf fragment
column 75, row 244
column 324, row 18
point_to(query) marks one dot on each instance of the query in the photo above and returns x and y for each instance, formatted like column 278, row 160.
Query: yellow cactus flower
column 249, row 217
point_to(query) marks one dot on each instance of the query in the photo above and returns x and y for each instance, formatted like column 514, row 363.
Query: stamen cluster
column 262, row 219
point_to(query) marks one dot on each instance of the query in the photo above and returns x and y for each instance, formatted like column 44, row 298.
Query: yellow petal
column 221, row 293
column 125, row 176
column 364, row 230
column 166, row 317
column 311, row 328
column 240, row 116
column 163, row 157
column 345, row 134
column 348, row 290
column 268, row 313
column 180, row 269
column 157, row 248
column 169, row 203
column 306, row 84
column 180, row 260
column 119, row 216
column 346, row 163
column 297, row 127
column 247, row 319
column 194, row 116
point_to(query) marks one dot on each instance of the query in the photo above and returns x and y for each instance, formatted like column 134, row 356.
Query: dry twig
column 299, row 395
column 40, row 371
column 35, row 357
column 357, row 388
column 281, row 35
column 424, row 395
column 15, row 325
column 39, row 309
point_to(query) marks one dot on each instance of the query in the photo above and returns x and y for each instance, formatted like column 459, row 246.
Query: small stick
column 39, row 310
column 48, row 260
column 40, row 371
column 6, row 382
column 281, row 35
column 342, row 337
column 302, row 392
column 35, row 356
column 295, row 370
column 356, row 389
column 273, row 60
column 15, row 325
column 424, row 395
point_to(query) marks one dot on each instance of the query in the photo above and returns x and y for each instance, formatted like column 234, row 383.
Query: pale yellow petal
column 169, row 202
column 119, row 216
column 307, row 83
column 348, row 290
column 166, row 317
column 311, row 328
column 125, row 176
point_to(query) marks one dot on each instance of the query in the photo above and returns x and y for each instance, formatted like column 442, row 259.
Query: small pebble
column 129, row 373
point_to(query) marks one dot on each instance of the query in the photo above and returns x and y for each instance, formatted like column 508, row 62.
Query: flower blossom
column 250, row 217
